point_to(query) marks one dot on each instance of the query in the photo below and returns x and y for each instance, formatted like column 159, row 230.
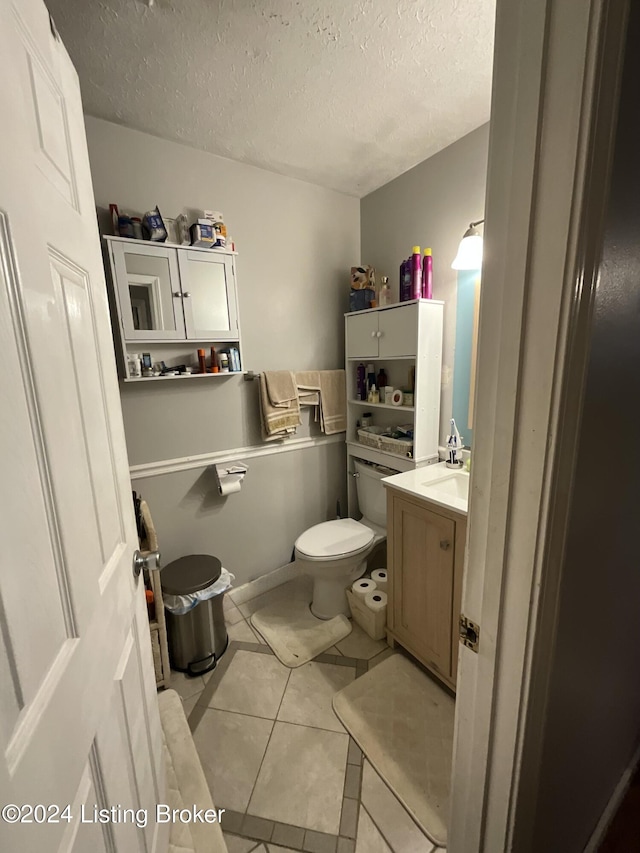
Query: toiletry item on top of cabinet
column 361, row 382
column 384, row 297
column 153, row 226
column 416, row 273
column 405, row 281
column 371, row 377
column 202, row 361
column 223, row 362
column 427, row 275
column 381, row 379
column 137, row 227
column 125, row 226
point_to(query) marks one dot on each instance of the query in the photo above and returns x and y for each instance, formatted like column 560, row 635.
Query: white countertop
column 436, row 484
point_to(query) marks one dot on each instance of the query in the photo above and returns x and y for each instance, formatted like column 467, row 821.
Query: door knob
column 445, row 544
column 149, row 561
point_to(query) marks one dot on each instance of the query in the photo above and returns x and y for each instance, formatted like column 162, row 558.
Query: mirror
column 207, row 283
column 150, row 292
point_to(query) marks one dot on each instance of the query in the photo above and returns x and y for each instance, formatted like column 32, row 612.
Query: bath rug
column 403, row 722
column 294, row 634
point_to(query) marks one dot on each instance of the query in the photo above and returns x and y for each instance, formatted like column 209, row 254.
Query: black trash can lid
column 190, row 574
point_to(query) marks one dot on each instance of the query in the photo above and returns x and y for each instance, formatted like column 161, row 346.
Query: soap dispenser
column 454, row 447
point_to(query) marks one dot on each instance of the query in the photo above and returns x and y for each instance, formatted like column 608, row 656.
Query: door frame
column 538, row 276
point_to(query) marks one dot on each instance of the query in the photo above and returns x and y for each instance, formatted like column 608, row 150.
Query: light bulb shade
column 469, row 255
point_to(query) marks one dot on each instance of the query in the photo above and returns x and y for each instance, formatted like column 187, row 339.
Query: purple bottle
column 361, row 382
column 427, row 275
column 416, row 273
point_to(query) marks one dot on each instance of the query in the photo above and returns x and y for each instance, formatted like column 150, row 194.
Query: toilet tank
column 372, row 499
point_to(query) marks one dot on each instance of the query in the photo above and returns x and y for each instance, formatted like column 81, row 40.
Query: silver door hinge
column 469, row 633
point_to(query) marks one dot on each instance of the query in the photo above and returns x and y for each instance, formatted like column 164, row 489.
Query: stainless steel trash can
column 198, row 638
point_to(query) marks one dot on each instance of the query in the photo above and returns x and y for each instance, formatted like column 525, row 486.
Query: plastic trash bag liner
column 181, row 604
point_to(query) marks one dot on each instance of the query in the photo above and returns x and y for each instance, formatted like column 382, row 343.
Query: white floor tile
column 360, row 645
column 185, row 685
column 252, row 684
column 242, row 632
column 232, row 614
column 231, row 748
column 302, row 778
column 390, row 816
column 369, row 839
column 311, row 688
column 235, row 844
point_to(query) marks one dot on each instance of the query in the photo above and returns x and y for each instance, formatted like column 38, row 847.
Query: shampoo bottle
column 427, row 275
column 406, row 282
column 361, row 382
column 416, row 273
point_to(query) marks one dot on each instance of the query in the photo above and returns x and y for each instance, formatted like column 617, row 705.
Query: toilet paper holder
column 229, row 477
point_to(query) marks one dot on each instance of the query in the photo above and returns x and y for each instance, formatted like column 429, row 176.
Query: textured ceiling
column 347, row 95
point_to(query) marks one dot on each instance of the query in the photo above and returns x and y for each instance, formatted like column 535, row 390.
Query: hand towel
column 281, row 387
column 308, row 384
column 276, row 422
column 150, row 540
column 333, row 401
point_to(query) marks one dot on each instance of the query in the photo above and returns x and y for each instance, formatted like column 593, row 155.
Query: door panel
column 398, row 332
column 68, row 600
column 208, row 289
column 148, row 285
column 423, row 581
column 362, row 334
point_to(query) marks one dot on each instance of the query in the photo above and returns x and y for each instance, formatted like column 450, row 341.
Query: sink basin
column 454, row 485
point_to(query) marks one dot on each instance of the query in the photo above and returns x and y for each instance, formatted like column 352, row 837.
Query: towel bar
column 249, row 376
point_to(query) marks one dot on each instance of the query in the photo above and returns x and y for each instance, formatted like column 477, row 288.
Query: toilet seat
column 332, row 540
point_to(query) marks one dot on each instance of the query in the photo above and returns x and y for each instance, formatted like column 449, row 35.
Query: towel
column 281, row 388
column 333, row 401
column 150, row 540
column 277, row 422
column 308, row 383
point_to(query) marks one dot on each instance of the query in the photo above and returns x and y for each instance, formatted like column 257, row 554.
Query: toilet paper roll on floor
column 362, row 587
column 376, row 600
column 381, row 579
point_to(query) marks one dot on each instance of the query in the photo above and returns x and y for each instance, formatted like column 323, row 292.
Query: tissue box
column 374, row 624
column 202, row 235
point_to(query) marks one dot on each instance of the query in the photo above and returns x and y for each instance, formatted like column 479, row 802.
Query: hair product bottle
column 416, row 273
column 427, row 275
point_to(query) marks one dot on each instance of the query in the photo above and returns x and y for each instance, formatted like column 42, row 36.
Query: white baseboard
column 264, row 583
column 613, row 805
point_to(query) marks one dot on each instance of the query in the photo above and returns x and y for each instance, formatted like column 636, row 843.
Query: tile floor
column 276, row 756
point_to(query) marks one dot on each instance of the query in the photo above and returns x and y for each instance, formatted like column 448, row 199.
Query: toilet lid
column 333, row 539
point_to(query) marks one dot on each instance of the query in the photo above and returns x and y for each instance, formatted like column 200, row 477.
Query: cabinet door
column 398, row 332
column 362, row 335
column 148, row 285
column 209, row 293
column 423, row 581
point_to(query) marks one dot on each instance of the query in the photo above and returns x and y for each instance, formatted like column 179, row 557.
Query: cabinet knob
column 378, row 334
column 177, row 294
column 445, row 544
column 187, row 294
column 373, row 334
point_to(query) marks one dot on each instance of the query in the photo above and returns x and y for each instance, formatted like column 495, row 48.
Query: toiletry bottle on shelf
column 416, row 273
column 202, row 361
column 361, row 382
column 406, row 282
column 427, row 275
column 214, row 361
column 371, row 377
column 384, row 297
column 381, row 379
column 223, row 361
column 374, row 395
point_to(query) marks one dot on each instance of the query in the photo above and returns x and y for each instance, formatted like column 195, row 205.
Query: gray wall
column 592, row 726
column 296, row 243
column 430, row 205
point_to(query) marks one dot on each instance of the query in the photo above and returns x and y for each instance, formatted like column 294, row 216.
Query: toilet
column 335, row 553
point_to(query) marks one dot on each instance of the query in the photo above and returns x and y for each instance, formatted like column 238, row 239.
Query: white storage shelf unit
column 397, row 338
column 171, row 300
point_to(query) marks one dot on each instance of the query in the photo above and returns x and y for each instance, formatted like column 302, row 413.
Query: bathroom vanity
column 426, row 533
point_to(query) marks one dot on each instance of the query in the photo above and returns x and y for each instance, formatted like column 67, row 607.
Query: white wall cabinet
column 400, row 338
column 165, row 295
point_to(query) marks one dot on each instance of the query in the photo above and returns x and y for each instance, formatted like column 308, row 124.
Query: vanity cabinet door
column 209, row 296
column 148, row 285
column 362, row 335
column 423, row 544
column 398, row 332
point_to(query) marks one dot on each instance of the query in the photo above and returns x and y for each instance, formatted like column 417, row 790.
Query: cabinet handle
column 445, row 544
column 187, row 294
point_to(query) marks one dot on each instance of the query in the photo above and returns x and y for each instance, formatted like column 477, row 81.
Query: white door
column 79, row 721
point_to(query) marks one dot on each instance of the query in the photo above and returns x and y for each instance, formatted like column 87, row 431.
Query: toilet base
column 329, row 594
